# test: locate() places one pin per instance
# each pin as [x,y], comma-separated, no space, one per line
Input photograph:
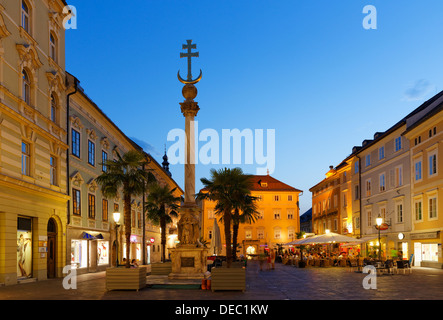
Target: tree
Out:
[225,187]
[128,175]
[161,206]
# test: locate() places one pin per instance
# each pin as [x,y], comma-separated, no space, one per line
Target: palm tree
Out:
[126,173]
[224,187]
[161,206]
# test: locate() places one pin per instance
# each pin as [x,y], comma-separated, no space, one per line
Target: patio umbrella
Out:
[216,244]
[328,238]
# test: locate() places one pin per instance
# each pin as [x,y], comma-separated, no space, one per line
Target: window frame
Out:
[76,202]
[91,206]
[75,145]
[26,158]
[91,153]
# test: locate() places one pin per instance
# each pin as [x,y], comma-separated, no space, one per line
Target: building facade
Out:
[91,230]
[33,193]
[278,220]
[425,136]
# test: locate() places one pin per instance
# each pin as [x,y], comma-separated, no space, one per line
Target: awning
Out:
[88,236]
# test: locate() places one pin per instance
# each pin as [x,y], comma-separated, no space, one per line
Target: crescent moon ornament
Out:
[189,81]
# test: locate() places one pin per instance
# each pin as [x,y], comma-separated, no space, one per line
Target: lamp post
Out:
[379,221]
[116,216]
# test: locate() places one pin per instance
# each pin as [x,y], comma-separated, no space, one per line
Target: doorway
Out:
[51,247]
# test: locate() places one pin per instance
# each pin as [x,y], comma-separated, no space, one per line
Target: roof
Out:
[272,184]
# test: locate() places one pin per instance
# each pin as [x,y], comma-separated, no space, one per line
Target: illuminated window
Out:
[91,153]
[76,202]
[105,210]
[91,206]
[432,207]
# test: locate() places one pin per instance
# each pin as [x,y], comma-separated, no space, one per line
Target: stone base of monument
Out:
[188,262]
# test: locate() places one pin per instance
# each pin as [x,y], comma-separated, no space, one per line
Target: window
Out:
[345,200]
[276,198]
[260,233]
[261,214]
[398,176]
[432,207]
[277,214]
[417,140]
[290,197]
[210,234]
[336,225]
[368,187]
[399,212]
[75,143]
[53,111]
[382,182]
[344,177]
[91,206]
[104,159]
[116,207]
[277,233]
[53,170]
[369,215]
[368,160]
[356,193]
[211,214]
[398,144]
[433,164]
[381,153]
[25,17]
[290,214]
[356,165]
[91,153]
[418,210]
[291,233]
[105,210]
[26,159]
[418,170]
[335,201]
[248,234]
[52,47]
[26,88]
[133,218]
[383,213]
[76,202]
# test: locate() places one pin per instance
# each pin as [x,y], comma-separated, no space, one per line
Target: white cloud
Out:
[418,90]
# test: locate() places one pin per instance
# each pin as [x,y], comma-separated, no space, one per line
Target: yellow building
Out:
[278,220]
[426,154]
[33,194]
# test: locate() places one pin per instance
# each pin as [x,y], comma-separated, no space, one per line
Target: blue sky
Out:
[307,69]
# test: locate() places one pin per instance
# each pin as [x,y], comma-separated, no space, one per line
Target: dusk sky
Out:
[308,69]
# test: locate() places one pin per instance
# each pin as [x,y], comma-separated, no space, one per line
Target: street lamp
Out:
[116,216]
[379,221]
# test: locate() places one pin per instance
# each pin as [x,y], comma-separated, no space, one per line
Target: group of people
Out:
[269,258]
[134,263]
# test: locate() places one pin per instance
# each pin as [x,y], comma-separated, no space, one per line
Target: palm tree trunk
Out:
[227,222]
[127,219]
[235,227]
[163,237]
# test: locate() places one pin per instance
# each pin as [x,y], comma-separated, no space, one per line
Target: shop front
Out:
[89,251]
[427,249]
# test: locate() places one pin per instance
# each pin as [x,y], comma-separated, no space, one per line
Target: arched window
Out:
[25,17]
[26,87]
[53,109]
[52,47]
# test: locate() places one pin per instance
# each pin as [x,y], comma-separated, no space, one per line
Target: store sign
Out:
[383,226]
[424,235]
[152,240]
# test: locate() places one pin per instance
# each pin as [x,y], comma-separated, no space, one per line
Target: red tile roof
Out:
[272,184]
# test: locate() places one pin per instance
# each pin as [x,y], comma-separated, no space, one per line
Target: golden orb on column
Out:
[189,91]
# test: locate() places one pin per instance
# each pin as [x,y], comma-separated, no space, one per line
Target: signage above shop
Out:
[383,226]
[152,240]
